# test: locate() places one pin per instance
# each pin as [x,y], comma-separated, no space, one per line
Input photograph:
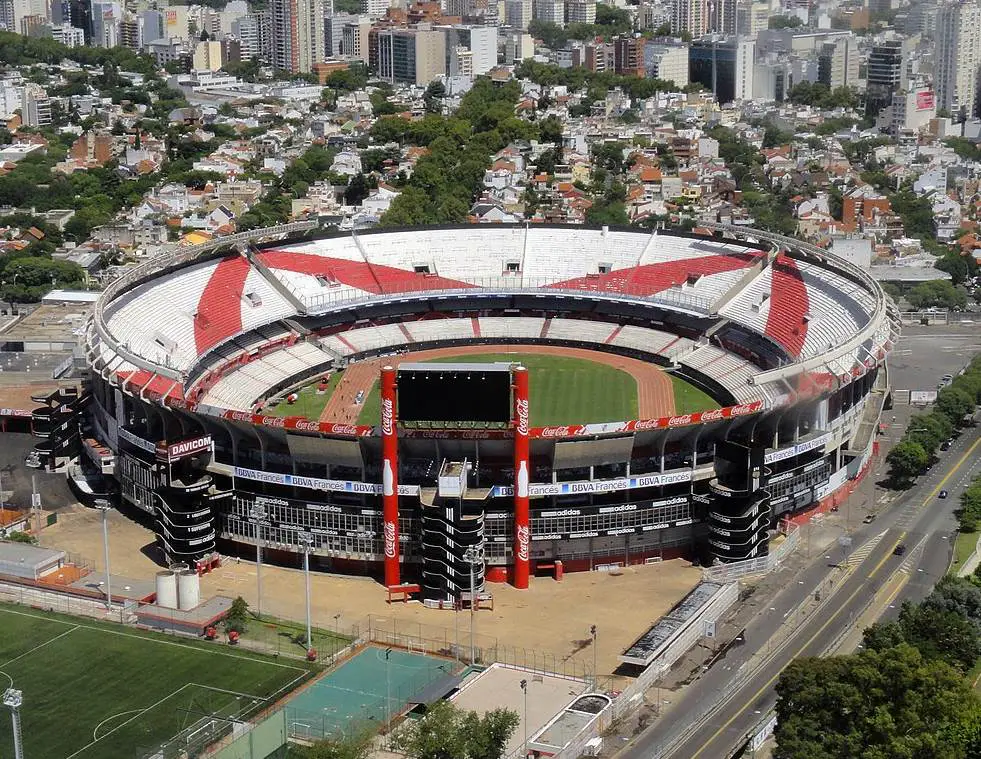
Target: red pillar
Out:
[390,476]
[522,472]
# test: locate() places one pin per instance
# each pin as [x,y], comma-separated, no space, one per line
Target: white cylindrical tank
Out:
[188,589]
[166,587]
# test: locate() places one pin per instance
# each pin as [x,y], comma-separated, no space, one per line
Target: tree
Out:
[937,294]
[356,191]
[954,403]
[874,705]
[238,615]
[433,96]
[447,732]
[22,537]
[785,22]
[355,743]
[907,459]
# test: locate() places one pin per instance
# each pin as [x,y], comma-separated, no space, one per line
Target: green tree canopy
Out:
[938,293]
[907,459]
[447,732]
[873,705]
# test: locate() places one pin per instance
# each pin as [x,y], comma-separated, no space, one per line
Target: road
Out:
[729,699]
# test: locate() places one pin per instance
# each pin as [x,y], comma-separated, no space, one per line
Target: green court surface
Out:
[367,689]
[100,691]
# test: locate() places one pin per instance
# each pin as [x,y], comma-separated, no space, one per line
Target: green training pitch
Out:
[99,691]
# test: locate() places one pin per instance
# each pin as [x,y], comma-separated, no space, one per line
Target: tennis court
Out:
[375,685]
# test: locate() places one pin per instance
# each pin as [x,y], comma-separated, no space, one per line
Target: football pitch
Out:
[98,691]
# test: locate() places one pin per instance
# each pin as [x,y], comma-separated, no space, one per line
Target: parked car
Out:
[945,445]
[869,518]
[943,493]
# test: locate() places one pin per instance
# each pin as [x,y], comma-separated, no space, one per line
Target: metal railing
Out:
[756,565]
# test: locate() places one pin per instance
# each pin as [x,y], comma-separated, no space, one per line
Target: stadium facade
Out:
[184,353]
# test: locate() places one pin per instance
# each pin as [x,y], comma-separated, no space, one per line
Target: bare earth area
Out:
[550,620]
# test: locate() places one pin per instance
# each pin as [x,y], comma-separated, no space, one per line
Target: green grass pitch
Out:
[99,691]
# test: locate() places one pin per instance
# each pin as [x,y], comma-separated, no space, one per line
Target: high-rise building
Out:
[580,11]
[886,75]
[334,31]
[838,63]
[724,65]
[131,31]
[106,15]
[252,32]
[517,47]
[35,107]
[595,56]
[7,16]
[152,23]
[30,26]
[414,56]
[297,34]
[628,55]
[67,35]
[958,58]
[374,9]
[207,56]
[552,11]
[689,16]
[722,16]
[668,62]
[517,14]
[479,41]
[355,42]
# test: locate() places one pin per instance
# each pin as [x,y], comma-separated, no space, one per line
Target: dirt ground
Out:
[550,618]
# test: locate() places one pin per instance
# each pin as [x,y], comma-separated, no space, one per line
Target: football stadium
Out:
[443,406]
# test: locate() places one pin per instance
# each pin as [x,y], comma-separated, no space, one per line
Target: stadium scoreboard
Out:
[454,393]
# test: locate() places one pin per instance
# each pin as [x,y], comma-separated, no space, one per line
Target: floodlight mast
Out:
[13,699]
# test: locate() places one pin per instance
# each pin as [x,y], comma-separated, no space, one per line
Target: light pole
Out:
[13,699]
[473,555]
[337,635]
[388,698]
[258,513]
[104,506]
[524,688]
[306,539]
[592,632]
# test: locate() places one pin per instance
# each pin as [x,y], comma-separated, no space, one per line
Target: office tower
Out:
[297,34]
[35,107]
[666,61]
[724,66]
[628,55]
[886,76]
[414,56]
[958,57]
[374,9]
[252,32]
[479,41]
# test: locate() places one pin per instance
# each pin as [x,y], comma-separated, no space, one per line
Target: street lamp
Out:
[473,555]
[388,698]
[105,507]
[13,699]
[337,634]
[524,688]
[592,632]
[258,513]
[306,539]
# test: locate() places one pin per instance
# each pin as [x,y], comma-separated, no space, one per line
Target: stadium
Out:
[399,402]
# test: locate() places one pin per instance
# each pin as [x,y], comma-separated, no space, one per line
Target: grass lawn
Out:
[688,399]
[963,548]
[99,691]
[563,390]
[308,403]
[286,636]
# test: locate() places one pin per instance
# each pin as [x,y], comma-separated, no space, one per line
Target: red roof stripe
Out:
[220,307]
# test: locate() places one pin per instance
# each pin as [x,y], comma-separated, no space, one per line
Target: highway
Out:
[714,714]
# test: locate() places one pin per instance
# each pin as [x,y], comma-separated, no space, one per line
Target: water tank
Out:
[188,589]
[166,587]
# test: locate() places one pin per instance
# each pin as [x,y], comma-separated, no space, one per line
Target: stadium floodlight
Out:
[13,699]
[592,632]
[524,688]
[105,507]
[474,555]
[258,513]
[306,538]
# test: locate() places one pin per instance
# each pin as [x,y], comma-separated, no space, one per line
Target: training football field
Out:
[102,691]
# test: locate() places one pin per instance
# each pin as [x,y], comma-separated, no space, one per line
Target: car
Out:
[945,445]
[869,518]
[900,549]
[943,493]
[947,377]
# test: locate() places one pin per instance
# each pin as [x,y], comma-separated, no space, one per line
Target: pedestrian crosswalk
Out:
[863,551]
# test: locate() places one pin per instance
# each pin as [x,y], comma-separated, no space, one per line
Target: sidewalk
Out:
[968,567]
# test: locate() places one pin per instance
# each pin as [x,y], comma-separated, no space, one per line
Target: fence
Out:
[758,565]
[65,603]
[455,643]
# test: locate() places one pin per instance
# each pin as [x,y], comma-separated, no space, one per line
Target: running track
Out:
[655,394]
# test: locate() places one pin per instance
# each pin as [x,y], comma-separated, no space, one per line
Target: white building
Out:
[551,11]
[517,47]
[35,107]
[375,9]
[68,35]
[667,62]
[958,57]
[580,11]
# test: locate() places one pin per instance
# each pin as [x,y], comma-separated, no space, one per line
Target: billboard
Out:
[925,101]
